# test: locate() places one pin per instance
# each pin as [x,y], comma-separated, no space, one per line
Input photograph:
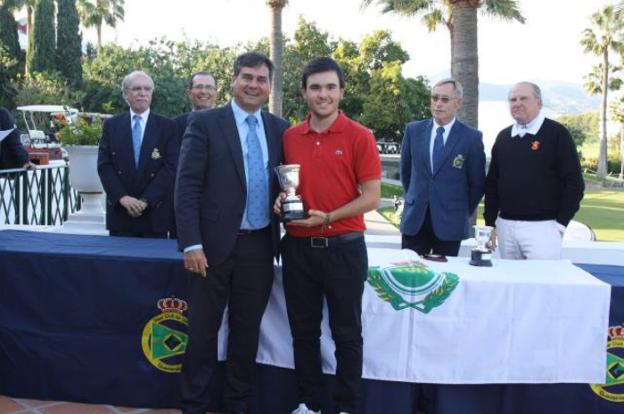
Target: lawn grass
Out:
[601,209]
[390,190]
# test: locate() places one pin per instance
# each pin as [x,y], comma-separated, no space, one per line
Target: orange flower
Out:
[535,145]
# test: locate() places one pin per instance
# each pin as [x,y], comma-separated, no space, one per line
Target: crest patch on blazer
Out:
[156,154]
[458,161]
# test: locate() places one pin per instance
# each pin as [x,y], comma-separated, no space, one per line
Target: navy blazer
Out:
[211,189]
[152,181]
[12,153]
[181,121]
[453,191]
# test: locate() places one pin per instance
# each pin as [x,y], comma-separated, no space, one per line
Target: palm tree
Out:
[95,13]
[20,4]
[275,101]
[592,82]
[460,18]
[617,112]
[604,36]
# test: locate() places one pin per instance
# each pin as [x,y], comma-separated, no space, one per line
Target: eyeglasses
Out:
[204,88]
[137,89]
[442,98]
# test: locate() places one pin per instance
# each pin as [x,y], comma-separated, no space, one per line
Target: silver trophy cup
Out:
[481,255]
[292,206]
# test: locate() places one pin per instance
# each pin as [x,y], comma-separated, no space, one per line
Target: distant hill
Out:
[559,97]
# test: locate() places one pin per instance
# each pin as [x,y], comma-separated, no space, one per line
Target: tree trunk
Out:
[621,152]
[275,100]
[29,19]
[465,59]
[98,28]
[602,157]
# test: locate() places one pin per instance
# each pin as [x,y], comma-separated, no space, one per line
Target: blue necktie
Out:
[257,185]
[438,146]
[136,138]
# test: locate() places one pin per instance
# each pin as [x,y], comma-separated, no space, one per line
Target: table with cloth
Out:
[99,319]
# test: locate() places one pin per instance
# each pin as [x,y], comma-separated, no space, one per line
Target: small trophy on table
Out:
[292,206]
[481,255]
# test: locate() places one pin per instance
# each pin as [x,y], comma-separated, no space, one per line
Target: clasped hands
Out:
[133,206]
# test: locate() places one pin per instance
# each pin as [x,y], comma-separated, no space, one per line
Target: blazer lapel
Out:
[125,141]
[425,146]
[150,137]
[272,143]
[228,126]
[451,141]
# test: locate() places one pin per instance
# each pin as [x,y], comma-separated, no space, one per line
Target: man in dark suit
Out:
[137,162]
[202,92]
[12,153]
[224,191]
[443,174]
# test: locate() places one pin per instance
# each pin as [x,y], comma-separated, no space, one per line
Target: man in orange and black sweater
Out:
[534,185]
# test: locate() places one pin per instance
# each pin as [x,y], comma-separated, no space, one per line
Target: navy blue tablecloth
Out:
[73,310]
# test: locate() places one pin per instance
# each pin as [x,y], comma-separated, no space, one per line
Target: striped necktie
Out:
[438,146]
[136,138]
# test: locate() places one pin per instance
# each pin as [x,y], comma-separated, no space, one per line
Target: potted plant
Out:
[80,139]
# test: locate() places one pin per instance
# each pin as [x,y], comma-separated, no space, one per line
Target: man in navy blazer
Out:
[224,191]
[137,161]
[202,92]
[443,175]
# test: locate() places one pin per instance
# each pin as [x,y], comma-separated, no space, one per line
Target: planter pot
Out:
[83,177]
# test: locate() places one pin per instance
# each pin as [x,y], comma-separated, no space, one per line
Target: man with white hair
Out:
[137,163]
[534,185]
[442,172]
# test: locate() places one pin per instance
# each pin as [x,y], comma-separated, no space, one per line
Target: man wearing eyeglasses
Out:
[137,162]
[443,174]
[202,92]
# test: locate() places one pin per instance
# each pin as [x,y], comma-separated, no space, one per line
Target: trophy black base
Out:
[480,258]
[287,216]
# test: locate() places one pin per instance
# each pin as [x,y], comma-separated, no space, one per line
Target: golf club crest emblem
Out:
[164,336]
[613,388]
[410,284]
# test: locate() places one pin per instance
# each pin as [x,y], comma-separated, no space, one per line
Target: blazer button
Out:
[119,172]
[152,175]
[114,153]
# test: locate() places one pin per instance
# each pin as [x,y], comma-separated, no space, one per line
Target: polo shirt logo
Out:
[338,152]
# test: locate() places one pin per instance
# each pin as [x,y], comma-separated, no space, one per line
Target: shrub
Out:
[84,131]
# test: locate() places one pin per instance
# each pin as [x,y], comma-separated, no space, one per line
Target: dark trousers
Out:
[425,241]
[243,282]
[337,273]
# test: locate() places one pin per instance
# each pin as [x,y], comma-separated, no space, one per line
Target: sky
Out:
[545,48]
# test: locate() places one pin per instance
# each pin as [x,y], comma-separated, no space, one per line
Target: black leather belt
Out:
[321,242]
[248,232]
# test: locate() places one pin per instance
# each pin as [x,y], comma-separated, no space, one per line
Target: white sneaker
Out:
[303,409]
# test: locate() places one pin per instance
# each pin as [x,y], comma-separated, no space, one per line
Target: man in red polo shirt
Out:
[325,254]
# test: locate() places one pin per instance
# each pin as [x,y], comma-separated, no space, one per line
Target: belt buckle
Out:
[319,242]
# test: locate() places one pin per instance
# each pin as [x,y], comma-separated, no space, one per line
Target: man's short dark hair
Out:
[322,64]
[202,73]
[252,60]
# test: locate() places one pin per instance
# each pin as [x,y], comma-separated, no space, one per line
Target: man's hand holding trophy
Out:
[292,205]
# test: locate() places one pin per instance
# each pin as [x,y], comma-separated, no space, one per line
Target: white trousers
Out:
[528,239]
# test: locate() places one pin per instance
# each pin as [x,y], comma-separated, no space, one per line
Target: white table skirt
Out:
[516,322]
